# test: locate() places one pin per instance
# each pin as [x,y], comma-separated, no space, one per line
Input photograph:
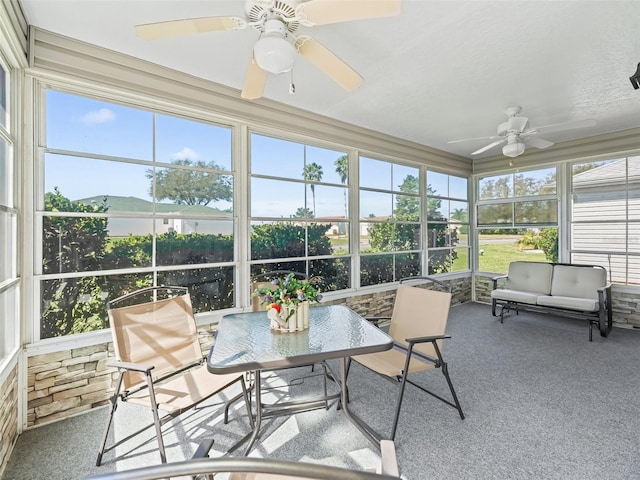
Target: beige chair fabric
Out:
[160,361]
[418,327]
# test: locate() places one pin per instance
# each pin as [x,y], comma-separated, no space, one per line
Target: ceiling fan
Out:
[277,21]
[517,133]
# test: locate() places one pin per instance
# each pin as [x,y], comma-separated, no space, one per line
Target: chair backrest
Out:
[419,312]
[162,333]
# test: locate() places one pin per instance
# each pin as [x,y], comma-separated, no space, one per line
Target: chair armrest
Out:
[430,338]
[496,278]
[136,367]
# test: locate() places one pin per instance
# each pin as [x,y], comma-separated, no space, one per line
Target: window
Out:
[390,225]
[9,281]
[447,223]
[605,217]
[517,219]
[130,198]
[299,211]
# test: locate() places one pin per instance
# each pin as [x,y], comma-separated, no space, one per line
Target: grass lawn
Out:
[497,256]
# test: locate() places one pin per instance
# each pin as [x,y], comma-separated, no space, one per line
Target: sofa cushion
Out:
[514,296]
[571,303]
[575,281]
[532,277]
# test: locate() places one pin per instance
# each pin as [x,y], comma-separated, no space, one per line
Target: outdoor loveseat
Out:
[577,291]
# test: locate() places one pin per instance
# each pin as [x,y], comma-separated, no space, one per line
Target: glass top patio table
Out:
[245,341]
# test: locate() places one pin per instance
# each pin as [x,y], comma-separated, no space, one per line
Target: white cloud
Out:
[98,116]
[185,154]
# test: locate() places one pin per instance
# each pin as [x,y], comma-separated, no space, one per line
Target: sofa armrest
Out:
[496,278]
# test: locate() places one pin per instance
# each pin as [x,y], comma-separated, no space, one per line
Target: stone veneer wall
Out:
[8,417]
[61,384]
[626,304]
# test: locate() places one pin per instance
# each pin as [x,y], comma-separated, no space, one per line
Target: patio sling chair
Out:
[418,325]
[244,468]
[159,359]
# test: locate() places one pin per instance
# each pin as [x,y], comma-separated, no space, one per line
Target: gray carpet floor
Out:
[541,402]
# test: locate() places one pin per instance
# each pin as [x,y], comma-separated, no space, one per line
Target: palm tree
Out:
[312,173]
[342,169]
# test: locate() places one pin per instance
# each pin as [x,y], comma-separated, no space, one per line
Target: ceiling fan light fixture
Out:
[273,52]
[513,149]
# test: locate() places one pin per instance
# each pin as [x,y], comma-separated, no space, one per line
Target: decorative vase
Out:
[291,318]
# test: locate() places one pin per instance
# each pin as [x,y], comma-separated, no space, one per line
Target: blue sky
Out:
[82,124]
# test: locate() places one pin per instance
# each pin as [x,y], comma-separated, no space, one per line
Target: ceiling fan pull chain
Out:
[292,87]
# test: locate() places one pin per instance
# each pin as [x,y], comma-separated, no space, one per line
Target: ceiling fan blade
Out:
[558,127]
[254,81]
[472,139]
[322,12]
[174,28]
[489,147]
[329,63]
[537,142]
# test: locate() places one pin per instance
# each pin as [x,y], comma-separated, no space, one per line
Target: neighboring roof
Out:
[610,174]
[134,204]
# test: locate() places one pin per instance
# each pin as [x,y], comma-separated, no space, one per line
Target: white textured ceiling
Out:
[440,71]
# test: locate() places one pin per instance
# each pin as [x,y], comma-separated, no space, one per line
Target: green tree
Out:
[303,213]
[342,169]
[72,244]
[190,186]
[312,172]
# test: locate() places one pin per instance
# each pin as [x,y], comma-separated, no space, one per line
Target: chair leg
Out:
[247,402]
[156,418]
[396,416]
[112,410]
[445,372]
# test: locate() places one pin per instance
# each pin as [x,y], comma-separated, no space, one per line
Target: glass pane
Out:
[437,184]
[633,277]
[262,268]
[460,259]
[201,191]
[187,142]
[376,269]
[8,253]
[6,175]
[458,187]
[633,242]
[375,204]
[609,173]
[78,305]
[499,247]
[276,157]
[443,235]
[541,211]
[266,200]
[210,288]
[406,207]
[375,174]
[86,125]
[495,214]
[390,236]
[599,237]
[436,207]
[333,164]
[4,95]
[459,211]
[287,240]
[194,241]
[84,244]
[8,312]
[592,206]
[535,182]
[407,265]
[440,261]
[327,201]
[405,179]
[500,186]
[330,274]
[616,265]
[127,186]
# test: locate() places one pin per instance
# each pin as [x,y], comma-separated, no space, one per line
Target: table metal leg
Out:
[366,430]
